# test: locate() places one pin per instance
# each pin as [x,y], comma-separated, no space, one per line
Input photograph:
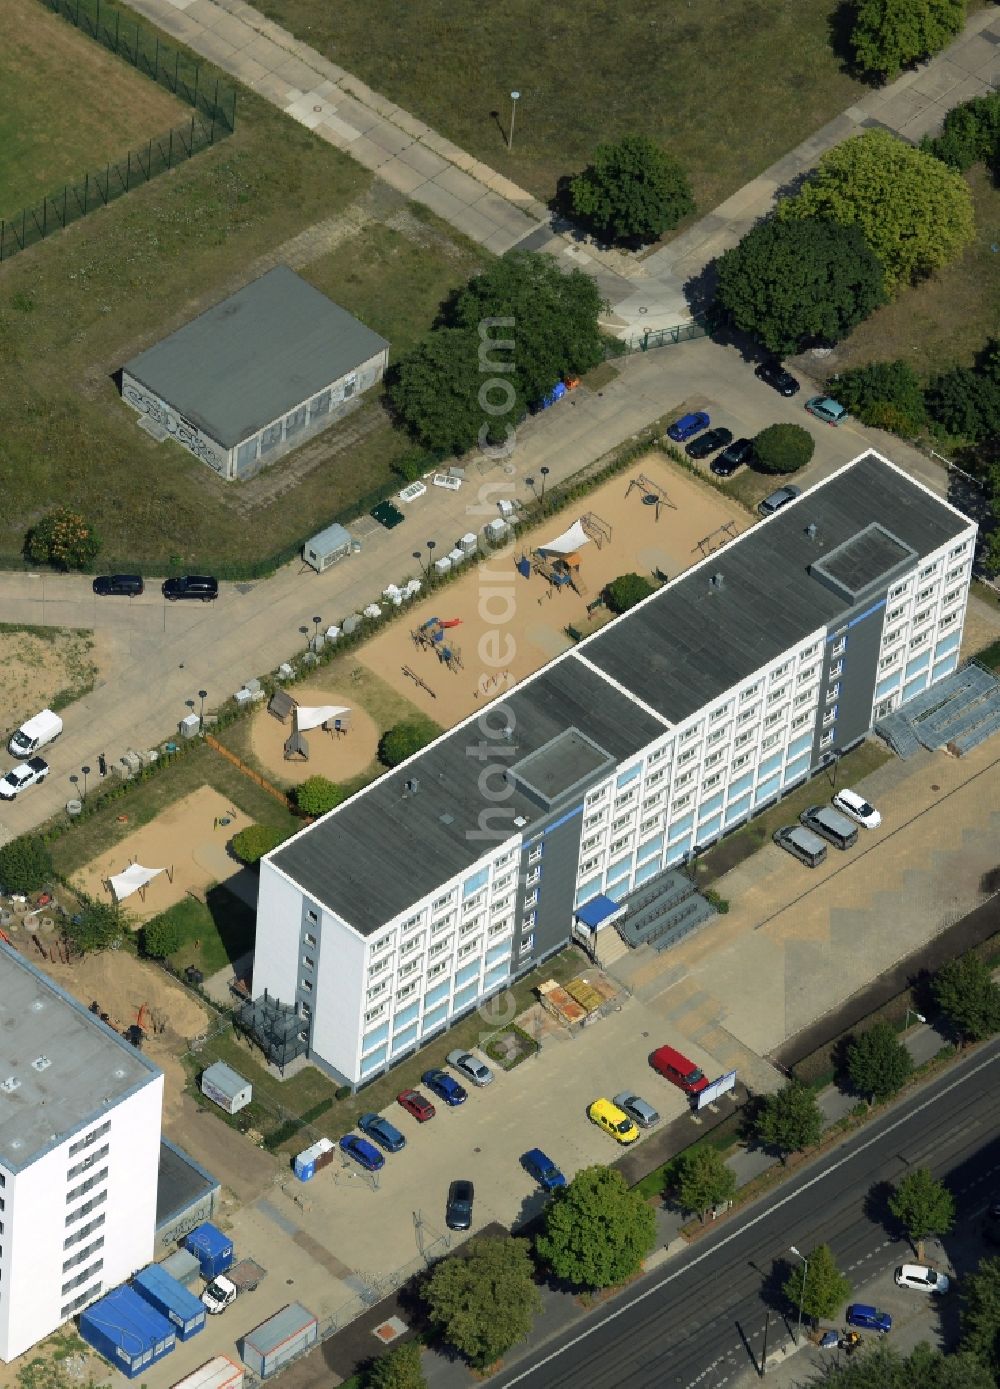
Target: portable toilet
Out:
[320,1154]
[326,548]
[226,1087]
[212,1249]
[129,1333]
[171,1299]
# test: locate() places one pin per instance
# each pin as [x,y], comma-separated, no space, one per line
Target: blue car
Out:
[362,1152]
[543,1169]
[869,1318]
[386,1135]
[441,1084]
[688,426]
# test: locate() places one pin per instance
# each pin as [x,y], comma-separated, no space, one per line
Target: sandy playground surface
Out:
[338,756]
[188,838]
[509,626]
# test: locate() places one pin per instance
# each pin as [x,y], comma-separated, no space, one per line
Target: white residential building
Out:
[79,1152]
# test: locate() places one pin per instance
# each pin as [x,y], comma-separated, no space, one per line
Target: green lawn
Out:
[69,106]
[214,933]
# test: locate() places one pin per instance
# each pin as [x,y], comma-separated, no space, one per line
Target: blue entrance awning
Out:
[599,911]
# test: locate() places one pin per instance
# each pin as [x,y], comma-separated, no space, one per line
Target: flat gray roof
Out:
[60,1067]
[181,1183]
[871,559]
[569,759]
[249,360]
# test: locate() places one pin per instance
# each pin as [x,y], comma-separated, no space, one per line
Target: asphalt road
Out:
[700,1322]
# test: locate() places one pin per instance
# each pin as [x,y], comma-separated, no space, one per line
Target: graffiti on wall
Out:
[175,425]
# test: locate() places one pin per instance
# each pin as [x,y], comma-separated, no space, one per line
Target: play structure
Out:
[135,878]
[432,635]
[332,718]
[558,560]
[717,538]
[651,492]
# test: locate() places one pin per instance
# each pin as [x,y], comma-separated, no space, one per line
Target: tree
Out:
[878,1063]
[971,134]
[915,212]
[887,395]
[964,990]
[789,1120]
[923,1207]
[799,283]
[400,1369]
[703,1180]
[63,539]
[252,843]
[25,864]
[633,191]
[981,1315]
[892,34]
[403,740]
[96,926]
[625,591]
[485,1300]
[819,1287]
[161,937]
[434,391]
[317,795]
[597,1231]
[965,402]
[783,448]
[882,1366]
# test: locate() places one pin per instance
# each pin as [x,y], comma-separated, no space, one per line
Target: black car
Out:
[118,585]
[708,443]
[191,586]
[733,456]
[772,373]
[458,1213]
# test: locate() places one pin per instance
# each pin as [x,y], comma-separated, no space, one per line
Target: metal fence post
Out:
[177,66]
[197,74]
[65,202]
[118,25]
[128,171]
[156,61]
[170,151]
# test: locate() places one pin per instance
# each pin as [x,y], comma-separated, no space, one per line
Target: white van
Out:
[43,728]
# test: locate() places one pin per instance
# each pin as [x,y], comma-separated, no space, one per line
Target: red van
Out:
[674,1066]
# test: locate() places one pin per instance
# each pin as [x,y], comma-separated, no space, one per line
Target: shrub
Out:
[402,741]
[892,34]
[317,795]
[633,191]
[96,926]
[625,591]
[971,134]
[783,448]
[63,539]
[25,864]
[966,403]
[251,844]
[887,395]
[161,937]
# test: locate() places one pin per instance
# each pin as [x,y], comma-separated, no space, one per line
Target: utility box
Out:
[270,1346]
[189,726]
[212,1249]
[129,1333]
[171,1299]
[326,548]
[226,1087]
[218,1373]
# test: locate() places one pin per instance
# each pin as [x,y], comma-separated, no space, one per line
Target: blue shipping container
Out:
[129,1333]
[171,1299]
[213,1250]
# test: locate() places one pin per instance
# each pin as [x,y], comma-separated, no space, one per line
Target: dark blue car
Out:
[362,1152]
[688,426]
[441,1084]
[386,1135]
[543,1169]
[870,1318]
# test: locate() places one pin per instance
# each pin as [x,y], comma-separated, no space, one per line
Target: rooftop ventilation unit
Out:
[446,818]
[37,1005]
[812,530]
[716,581]
[411,786]
[41,1063]
[520,821]
[9,1085]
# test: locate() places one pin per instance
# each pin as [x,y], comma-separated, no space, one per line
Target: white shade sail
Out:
[133,878]
[566,543]
[320,713]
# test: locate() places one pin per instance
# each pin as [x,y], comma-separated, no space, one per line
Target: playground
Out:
[476,638]
[340,747]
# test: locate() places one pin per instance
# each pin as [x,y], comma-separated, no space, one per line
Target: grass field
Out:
[69,106]
[728,85]
[214,933]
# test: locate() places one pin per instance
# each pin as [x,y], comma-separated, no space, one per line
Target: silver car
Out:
[470,1067]
[637,1109]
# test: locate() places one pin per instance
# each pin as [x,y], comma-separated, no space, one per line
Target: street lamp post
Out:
[418,555]
[514,98]
[912,1013]
[86,774]
[802,1290]
[544,472]
[74,781]
[316,622]
[431,547]
[202,695]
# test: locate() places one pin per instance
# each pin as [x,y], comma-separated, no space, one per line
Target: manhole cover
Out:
[225,820]
[477,1150]
[935,788]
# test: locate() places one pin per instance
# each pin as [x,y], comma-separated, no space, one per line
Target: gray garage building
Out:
[255,376]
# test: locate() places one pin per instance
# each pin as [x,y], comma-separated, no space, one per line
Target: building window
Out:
[88,1162]
[81,1301]
[715,737]
[405,991]
[82,1233]
[715,757]
[774,718]
[740,761]
[309,940]
[437,969]
[836,670]
[800,719]
[781,670]
[306,984]
[690,733]
[655,778]
[958,550]
[536,853]
[656,755]
[527,945]
[949,619]
[930,569]
[82,1277]
[683,779]
[532,899]
[377,989]
[839,647]
[777,694]
[593,820]
[749,714]
[830,717]
[899,590]
[827,740]
[312,916]
[86,1208]
[749,692]
[770,741]
[441,902]
[682,801]
[686,756]
[308,962]
[528,920]
[833,693]
[86,1186]
[919,640]
[804,676]
[80,1143]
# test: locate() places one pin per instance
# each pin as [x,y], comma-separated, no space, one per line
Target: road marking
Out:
[755,1220]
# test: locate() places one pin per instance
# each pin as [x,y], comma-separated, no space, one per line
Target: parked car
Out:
[779,498]
[118,585]
[772,373]
[543,1169]
[363,1152]
[830,825]
[458,1212]
[857,808]
[688,426]
[674,1066]
[611,1119]
[732,457]
[636,1108]
[868,1318]
[192,586]
[416,1104]
[924,1279]
[440,1083]
[22,776]
[386,1135]
[827,409]
[801,843]
[470,1067]
[708,443]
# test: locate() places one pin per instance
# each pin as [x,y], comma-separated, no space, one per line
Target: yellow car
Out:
[611,1119]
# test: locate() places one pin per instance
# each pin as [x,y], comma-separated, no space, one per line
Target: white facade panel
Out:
[276,947]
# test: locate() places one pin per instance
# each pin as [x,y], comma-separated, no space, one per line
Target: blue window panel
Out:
[799,745]
[372,1039]
[620,865]
[947,644]
[886,686]
[769,765]
[496,976]
[647,871]
[373,1062]
[708,829]
[466,973]
[914,687]
[434,996]
[651,846]
[628,776]
[741,784]
[678,850]
[406,1015]
[768,788]
[402,1040]
[466,997]
[796,769]
[737,808]
[710,806]
[499,952]
[435,1019]
[945,667]
[478,880]
[590,889]
[679,826]
[915,666]
[619,887]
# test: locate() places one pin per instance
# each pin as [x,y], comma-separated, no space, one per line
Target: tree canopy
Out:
[878,1063]
[892,34]
[25,864]
[789,1120]
[966,402]
[318,794]
[783,448]
[882,1366]
[819,1287]
[799,283]
[96,926]
[971,134]
[965,992]
[923,1206]
[484,1299]
[915,212]
[397,1369]
[63,539]
[703,1180]
[887,395]
[625,591]
[597,1231]
[633,191]
[252,843]
[160,937]
[981,1315]
[403,740]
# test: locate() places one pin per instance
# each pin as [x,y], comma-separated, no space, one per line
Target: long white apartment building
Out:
[539,817]
[79,1152]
